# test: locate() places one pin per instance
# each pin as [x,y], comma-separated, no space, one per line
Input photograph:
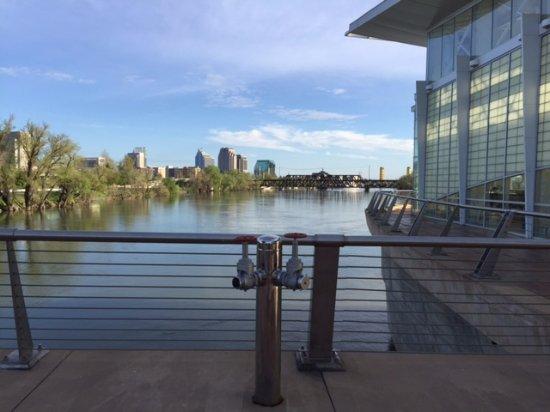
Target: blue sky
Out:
[274,79]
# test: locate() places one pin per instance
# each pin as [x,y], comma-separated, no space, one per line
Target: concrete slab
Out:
[18,384]
[409,382]
[168,380]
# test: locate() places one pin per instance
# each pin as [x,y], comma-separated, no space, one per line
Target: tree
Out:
[405,182]
[44,154]
[8,169]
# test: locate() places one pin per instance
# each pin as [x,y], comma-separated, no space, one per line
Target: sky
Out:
[274,79]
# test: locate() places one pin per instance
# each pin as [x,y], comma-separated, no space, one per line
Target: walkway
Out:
[223,381]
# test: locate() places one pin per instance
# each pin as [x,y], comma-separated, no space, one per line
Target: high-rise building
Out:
[264,168]
[408,172]
[382,173]
[139,157]
[11,150]
[227,159]
[242,164]
[482,115]
[203,159]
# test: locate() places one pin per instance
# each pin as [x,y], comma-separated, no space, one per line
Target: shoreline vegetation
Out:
[43,170]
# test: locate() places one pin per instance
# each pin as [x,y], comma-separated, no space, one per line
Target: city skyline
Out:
[304,95]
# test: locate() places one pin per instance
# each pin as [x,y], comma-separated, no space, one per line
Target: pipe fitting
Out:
[292,280]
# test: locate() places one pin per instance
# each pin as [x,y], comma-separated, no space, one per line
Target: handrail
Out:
[235,239]
[473,207]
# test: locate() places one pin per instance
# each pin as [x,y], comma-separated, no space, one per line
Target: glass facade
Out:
[442,143]
[495,175]
[476,31]
[495,148]
[542,199]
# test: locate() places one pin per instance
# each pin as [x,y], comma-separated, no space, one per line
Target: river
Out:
[168,296]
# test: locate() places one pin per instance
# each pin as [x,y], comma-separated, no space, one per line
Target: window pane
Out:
[434,54]
[518,8]
[502,15]
[463,33]
[515,189]
[543,187]
[482,28]
[448,59]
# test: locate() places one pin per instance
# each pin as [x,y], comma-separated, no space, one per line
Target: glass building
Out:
[482,115]
[264,168]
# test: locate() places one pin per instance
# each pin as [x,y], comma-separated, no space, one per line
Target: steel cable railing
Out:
[389,293]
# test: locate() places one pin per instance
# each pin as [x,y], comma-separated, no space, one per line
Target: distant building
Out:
[242,164]
[175,173]
[93,162]
[264,168]
[203,159]
[227,159]
[139,157]
[191,172]
[382,174]
[12,151]
[183,172]
[409,171]
[160,171]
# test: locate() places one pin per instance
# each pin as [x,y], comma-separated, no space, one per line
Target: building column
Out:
[531,59]
[421,116]
[463,127]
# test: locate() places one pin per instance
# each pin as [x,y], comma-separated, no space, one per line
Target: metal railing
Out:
[99,290]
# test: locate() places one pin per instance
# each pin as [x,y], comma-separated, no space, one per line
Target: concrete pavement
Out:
[223,381]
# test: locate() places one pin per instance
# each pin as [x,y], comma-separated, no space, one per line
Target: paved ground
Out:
[223,381]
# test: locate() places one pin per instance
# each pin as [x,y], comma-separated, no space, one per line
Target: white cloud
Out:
[290,139]
[59,76]
[336,91]
[218,90]
[304,114]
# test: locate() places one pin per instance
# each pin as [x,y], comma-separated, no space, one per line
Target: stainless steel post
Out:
[268,324]
[25,356]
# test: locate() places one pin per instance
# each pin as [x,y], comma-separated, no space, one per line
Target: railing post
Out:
[417,221]
[395,227]
[320,354]
[382,205]
[372,202]
[438,250]
[25,357]
[387,216]
[376,207]
[488,261]
[268,324]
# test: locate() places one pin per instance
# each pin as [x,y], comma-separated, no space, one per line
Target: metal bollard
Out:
[268,324]
[268,279]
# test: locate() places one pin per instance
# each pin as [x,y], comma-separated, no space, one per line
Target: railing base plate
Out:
[305,363]
[12,362]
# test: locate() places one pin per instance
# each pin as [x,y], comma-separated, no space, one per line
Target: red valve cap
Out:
[246,239]
[295,235]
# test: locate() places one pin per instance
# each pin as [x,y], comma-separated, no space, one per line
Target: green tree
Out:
[8,169]
[405,182]
[44,154]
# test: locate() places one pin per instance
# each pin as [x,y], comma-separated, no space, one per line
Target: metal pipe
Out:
[268,324]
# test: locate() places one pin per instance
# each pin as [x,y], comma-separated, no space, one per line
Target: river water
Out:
[179,296]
